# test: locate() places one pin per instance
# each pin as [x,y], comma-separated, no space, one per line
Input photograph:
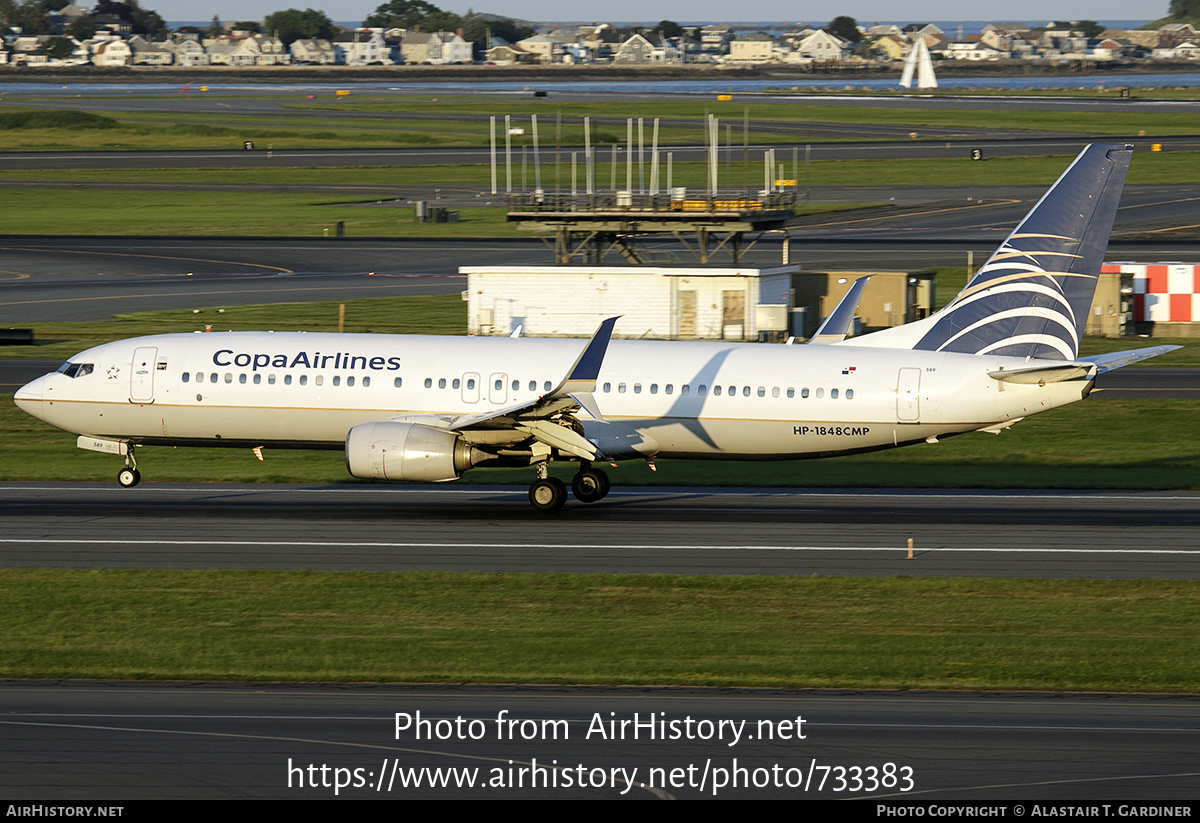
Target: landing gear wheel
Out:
[590,485]
[128,477]
[548,494]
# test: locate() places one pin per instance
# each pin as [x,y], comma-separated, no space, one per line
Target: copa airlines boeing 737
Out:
[427,409]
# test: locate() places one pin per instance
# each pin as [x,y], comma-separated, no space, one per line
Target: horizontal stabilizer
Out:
[1117,359]
[837,324]
[1041,375]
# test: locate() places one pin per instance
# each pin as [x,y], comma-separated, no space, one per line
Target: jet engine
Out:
[391,450]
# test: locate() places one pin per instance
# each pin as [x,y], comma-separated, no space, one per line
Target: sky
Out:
[688,11]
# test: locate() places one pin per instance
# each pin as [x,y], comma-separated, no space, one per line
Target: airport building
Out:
[703,303]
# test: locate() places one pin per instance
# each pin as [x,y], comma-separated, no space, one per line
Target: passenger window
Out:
[367,382]
[453,385]
[685,389]
[337,380]
[287,379]
[257,379]
[319,380]
[607,388]
[271,379]
[746,391]
[548,386]
[516,385]
[349,381]
[187,376]
[791,392]
[470,383]
[774,391]
[849,394]
[670,389]
[654,388]
[804,392]
[441,383]
[820,393]
[397,382]
[703,390]
[304,380]
[637,388]
[429,382]
[716,391]
[228,377]
[533,385]
[199,377]
[499,385]
[213,378]
[833,394]
[733,391]
[620,388]
[242,378]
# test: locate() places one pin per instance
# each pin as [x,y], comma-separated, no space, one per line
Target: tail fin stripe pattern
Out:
[1031,298]
[1019,343]
[1048,316]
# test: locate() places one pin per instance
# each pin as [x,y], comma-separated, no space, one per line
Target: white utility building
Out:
[654,303]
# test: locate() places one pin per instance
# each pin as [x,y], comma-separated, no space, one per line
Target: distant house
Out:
[110,52]
[187,49]
[419,47]
[755,47]
[149,53]
[363,47]
[271,51]
[547,48]
[821,46]
[320,52]
[636,49]
[510,55]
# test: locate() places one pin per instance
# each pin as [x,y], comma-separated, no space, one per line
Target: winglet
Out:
[838,323]
[586,369]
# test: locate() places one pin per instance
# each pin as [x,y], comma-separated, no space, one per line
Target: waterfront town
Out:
[414,32]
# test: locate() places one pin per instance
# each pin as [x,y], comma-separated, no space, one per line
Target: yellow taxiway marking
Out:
[989,204]
[279,269]
[16,274]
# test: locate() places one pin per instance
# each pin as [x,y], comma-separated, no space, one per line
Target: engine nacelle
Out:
[391,450]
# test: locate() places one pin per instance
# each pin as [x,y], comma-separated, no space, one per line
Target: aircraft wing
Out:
[1117,359]
[573,392]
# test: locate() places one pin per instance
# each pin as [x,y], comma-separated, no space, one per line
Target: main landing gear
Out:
[129,476]
[548,494]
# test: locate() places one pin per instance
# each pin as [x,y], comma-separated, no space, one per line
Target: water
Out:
[705,86]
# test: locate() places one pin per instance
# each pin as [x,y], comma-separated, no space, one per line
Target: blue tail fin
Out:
[1032,297]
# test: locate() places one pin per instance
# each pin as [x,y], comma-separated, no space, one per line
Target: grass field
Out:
[463,121]
[788,632]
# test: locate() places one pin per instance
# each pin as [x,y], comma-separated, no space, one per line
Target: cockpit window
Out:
[75,369]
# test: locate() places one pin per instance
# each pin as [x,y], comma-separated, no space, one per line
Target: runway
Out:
[644,530]
[120,742]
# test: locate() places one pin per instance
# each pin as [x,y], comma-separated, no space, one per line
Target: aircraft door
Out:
[498,388]
[470,387]
[141,377]
[908,396]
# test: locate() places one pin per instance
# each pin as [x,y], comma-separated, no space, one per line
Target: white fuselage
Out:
[708,400]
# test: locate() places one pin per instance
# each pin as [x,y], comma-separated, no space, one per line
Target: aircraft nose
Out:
[29,397]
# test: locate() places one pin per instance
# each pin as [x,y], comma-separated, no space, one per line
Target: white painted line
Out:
[580,545]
